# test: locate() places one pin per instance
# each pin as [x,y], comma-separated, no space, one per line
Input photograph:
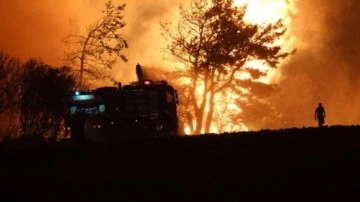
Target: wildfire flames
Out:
[262,13]
[324,68]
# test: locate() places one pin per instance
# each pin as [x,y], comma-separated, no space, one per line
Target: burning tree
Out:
[99,48]
[216,45]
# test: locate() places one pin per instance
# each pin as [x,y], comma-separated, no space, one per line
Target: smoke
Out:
[144,35]
[32,28]
[326,66]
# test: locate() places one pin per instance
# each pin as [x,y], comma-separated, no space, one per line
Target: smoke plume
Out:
[325,68]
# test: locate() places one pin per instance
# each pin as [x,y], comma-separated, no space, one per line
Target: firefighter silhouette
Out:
[320,115]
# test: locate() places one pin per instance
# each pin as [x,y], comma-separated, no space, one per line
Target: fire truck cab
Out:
[108,114]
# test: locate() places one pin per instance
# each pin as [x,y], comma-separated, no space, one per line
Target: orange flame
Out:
[262,13]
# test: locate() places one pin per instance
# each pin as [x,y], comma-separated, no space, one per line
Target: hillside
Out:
[298,163]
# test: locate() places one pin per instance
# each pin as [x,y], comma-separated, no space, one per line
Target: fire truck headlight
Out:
[159,127]
[96,126]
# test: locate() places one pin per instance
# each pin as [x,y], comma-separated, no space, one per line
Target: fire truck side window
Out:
[132,103]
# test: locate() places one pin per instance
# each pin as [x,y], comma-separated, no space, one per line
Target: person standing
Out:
[320,115]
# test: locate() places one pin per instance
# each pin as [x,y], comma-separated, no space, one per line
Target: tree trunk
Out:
[82,59]
[209,115]
[200,111]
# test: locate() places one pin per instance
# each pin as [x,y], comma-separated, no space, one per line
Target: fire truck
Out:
[144,108]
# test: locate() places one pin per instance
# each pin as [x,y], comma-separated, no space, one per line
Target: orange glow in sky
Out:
[326,35]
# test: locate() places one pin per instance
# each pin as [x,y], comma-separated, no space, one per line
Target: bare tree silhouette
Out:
[99,48]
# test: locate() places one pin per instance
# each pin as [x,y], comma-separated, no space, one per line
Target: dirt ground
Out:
[291,164]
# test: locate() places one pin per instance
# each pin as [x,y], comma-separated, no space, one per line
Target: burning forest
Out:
[238,65]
